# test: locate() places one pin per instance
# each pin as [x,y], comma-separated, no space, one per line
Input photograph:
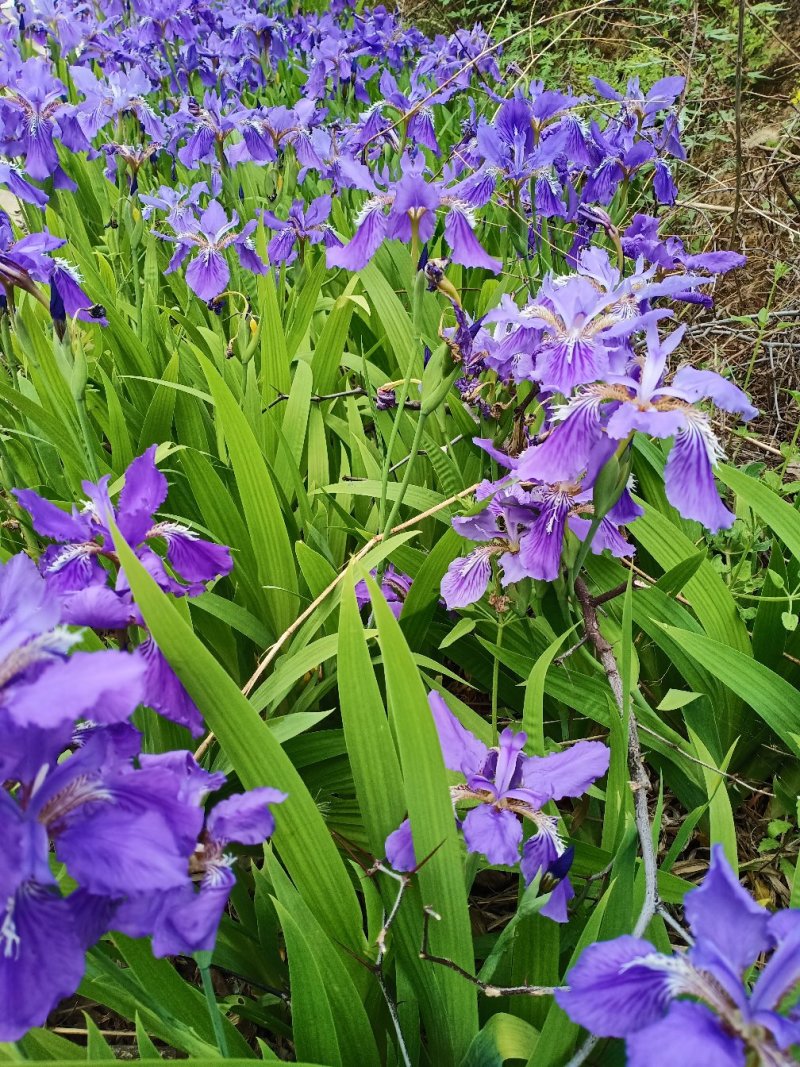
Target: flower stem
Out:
[415,446]
[402,396]
[203,960]
[496,680]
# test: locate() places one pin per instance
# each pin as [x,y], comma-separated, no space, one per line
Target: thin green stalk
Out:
[402,396]
[763,323]
[7,345]
[415,446]
[496,679]
[213,1006]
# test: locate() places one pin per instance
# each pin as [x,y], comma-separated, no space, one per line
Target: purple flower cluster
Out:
[82,569]
[538,155]
[697,1006]
[128,827]
[589,343]
[503,785]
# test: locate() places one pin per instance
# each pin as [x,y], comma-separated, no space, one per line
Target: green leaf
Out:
[313,1027]
[44,1046]
[274,356]
[705,590]
[675,699]
[301,836]
[423,598]
[144,1044]
[723,828]
[376,769]
[782,518]
[769,695]
[332,341]
[559,1032]
[97,1048]
[318,977]
[461,629]
[504,1037]
[394,319]
[427,796]
[533,708]
[266,524]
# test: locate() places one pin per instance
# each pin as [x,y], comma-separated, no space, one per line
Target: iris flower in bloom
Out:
[209,126]
[503,784]
[304,225]
[583,328]
[511,148]
[625,988]
[641,241]
[186,917]
[12,177]
[84,537]
[523,529]
[119,828]
[412,204]
[105,100]
[29,115]
[26,263]
[208,272]
[92,596]
[641,401]
[43,689]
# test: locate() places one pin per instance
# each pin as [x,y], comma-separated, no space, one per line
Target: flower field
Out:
[393,668]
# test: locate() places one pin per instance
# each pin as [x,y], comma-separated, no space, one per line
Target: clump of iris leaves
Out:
[373,579]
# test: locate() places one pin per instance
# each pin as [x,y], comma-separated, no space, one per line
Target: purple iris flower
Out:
[29,114]
[640,400]
[66,23]
[303,226]
[12,177]
[523,530]
[622,156]
[510,147]
[267,132]
[118,826]
[206,128]
[208,272]
[92,595]
[412,205]
[637,105]
[104,101]
[641,240]
[133,156]
[503,783]
[84,539]
[175,201]
[395,587]
[418,104]
[43,689]
[185,918]
[626,988]
[582,329]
